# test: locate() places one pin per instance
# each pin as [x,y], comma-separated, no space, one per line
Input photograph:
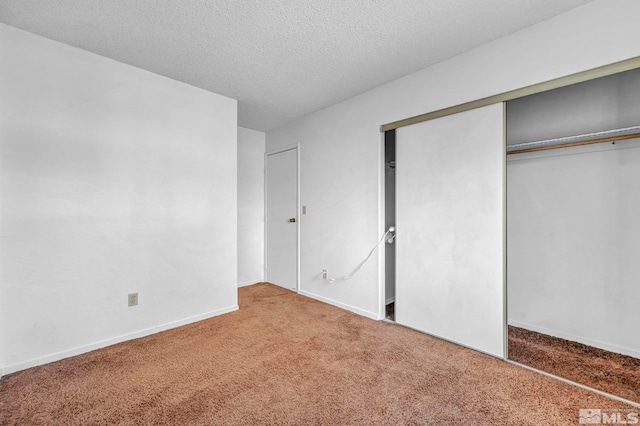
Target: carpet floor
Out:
[608,371]
[284,359]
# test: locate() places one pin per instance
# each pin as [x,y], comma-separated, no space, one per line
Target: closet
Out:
[573,232]
[518,223]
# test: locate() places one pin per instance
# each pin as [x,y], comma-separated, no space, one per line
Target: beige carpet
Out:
[286,359]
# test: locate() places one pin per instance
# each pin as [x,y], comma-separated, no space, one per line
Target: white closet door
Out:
[450,252]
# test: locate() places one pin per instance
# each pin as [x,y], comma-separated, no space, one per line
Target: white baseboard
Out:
[57,356]
[584,340]
[353,309]
[390,300]
[246,283]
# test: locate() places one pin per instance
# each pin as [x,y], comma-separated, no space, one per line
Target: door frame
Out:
[382,218]
[298,209]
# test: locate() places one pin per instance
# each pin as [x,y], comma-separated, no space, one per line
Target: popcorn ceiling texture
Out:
[279,59]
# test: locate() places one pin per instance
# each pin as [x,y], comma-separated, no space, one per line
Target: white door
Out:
[450,180]
[282,219]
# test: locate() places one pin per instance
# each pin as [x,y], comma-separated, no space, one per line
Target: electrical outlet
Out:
[325,274]
[133,299]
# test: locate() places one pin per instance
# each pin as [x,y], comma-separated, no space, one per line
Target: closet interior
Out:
[573,232]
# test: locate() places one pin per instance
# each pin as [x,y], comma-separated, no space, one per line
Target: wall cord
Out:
[348,277]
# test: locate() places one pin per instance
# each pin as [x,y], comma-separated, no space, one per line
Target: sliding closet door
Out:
[450,252]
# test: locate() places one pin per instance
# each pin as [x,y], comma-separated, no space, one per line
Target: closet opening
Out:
[573,197]
[390,220]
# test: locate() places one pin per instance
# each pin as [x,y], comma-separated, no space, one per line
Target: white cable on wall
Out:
[348,277]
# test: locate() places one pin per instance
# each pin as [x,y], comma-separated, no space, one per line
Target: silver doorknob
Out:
[292,220]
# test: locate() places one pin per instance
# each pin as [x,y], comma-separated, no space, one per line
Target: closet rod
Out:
[577,140]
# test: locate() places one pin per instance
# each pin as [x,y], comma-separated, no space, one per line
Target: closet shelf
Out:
[584,139]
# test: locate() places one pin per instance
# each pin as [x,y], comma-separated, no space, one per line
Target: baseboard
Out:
[247,283]
[585,341]
[390,300]
[353,309]
[57,356]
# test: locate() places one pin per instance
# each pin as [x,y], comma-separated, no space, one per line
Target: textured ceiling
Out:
[280,59]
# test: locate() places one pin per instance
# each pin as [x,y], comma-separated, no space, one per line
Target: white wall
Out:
[113,180]
[251,145]
[341,160]
[572,217]
[572,244]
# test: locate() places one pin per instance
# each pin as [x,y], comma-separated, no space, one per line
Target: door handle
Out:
[292,220]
